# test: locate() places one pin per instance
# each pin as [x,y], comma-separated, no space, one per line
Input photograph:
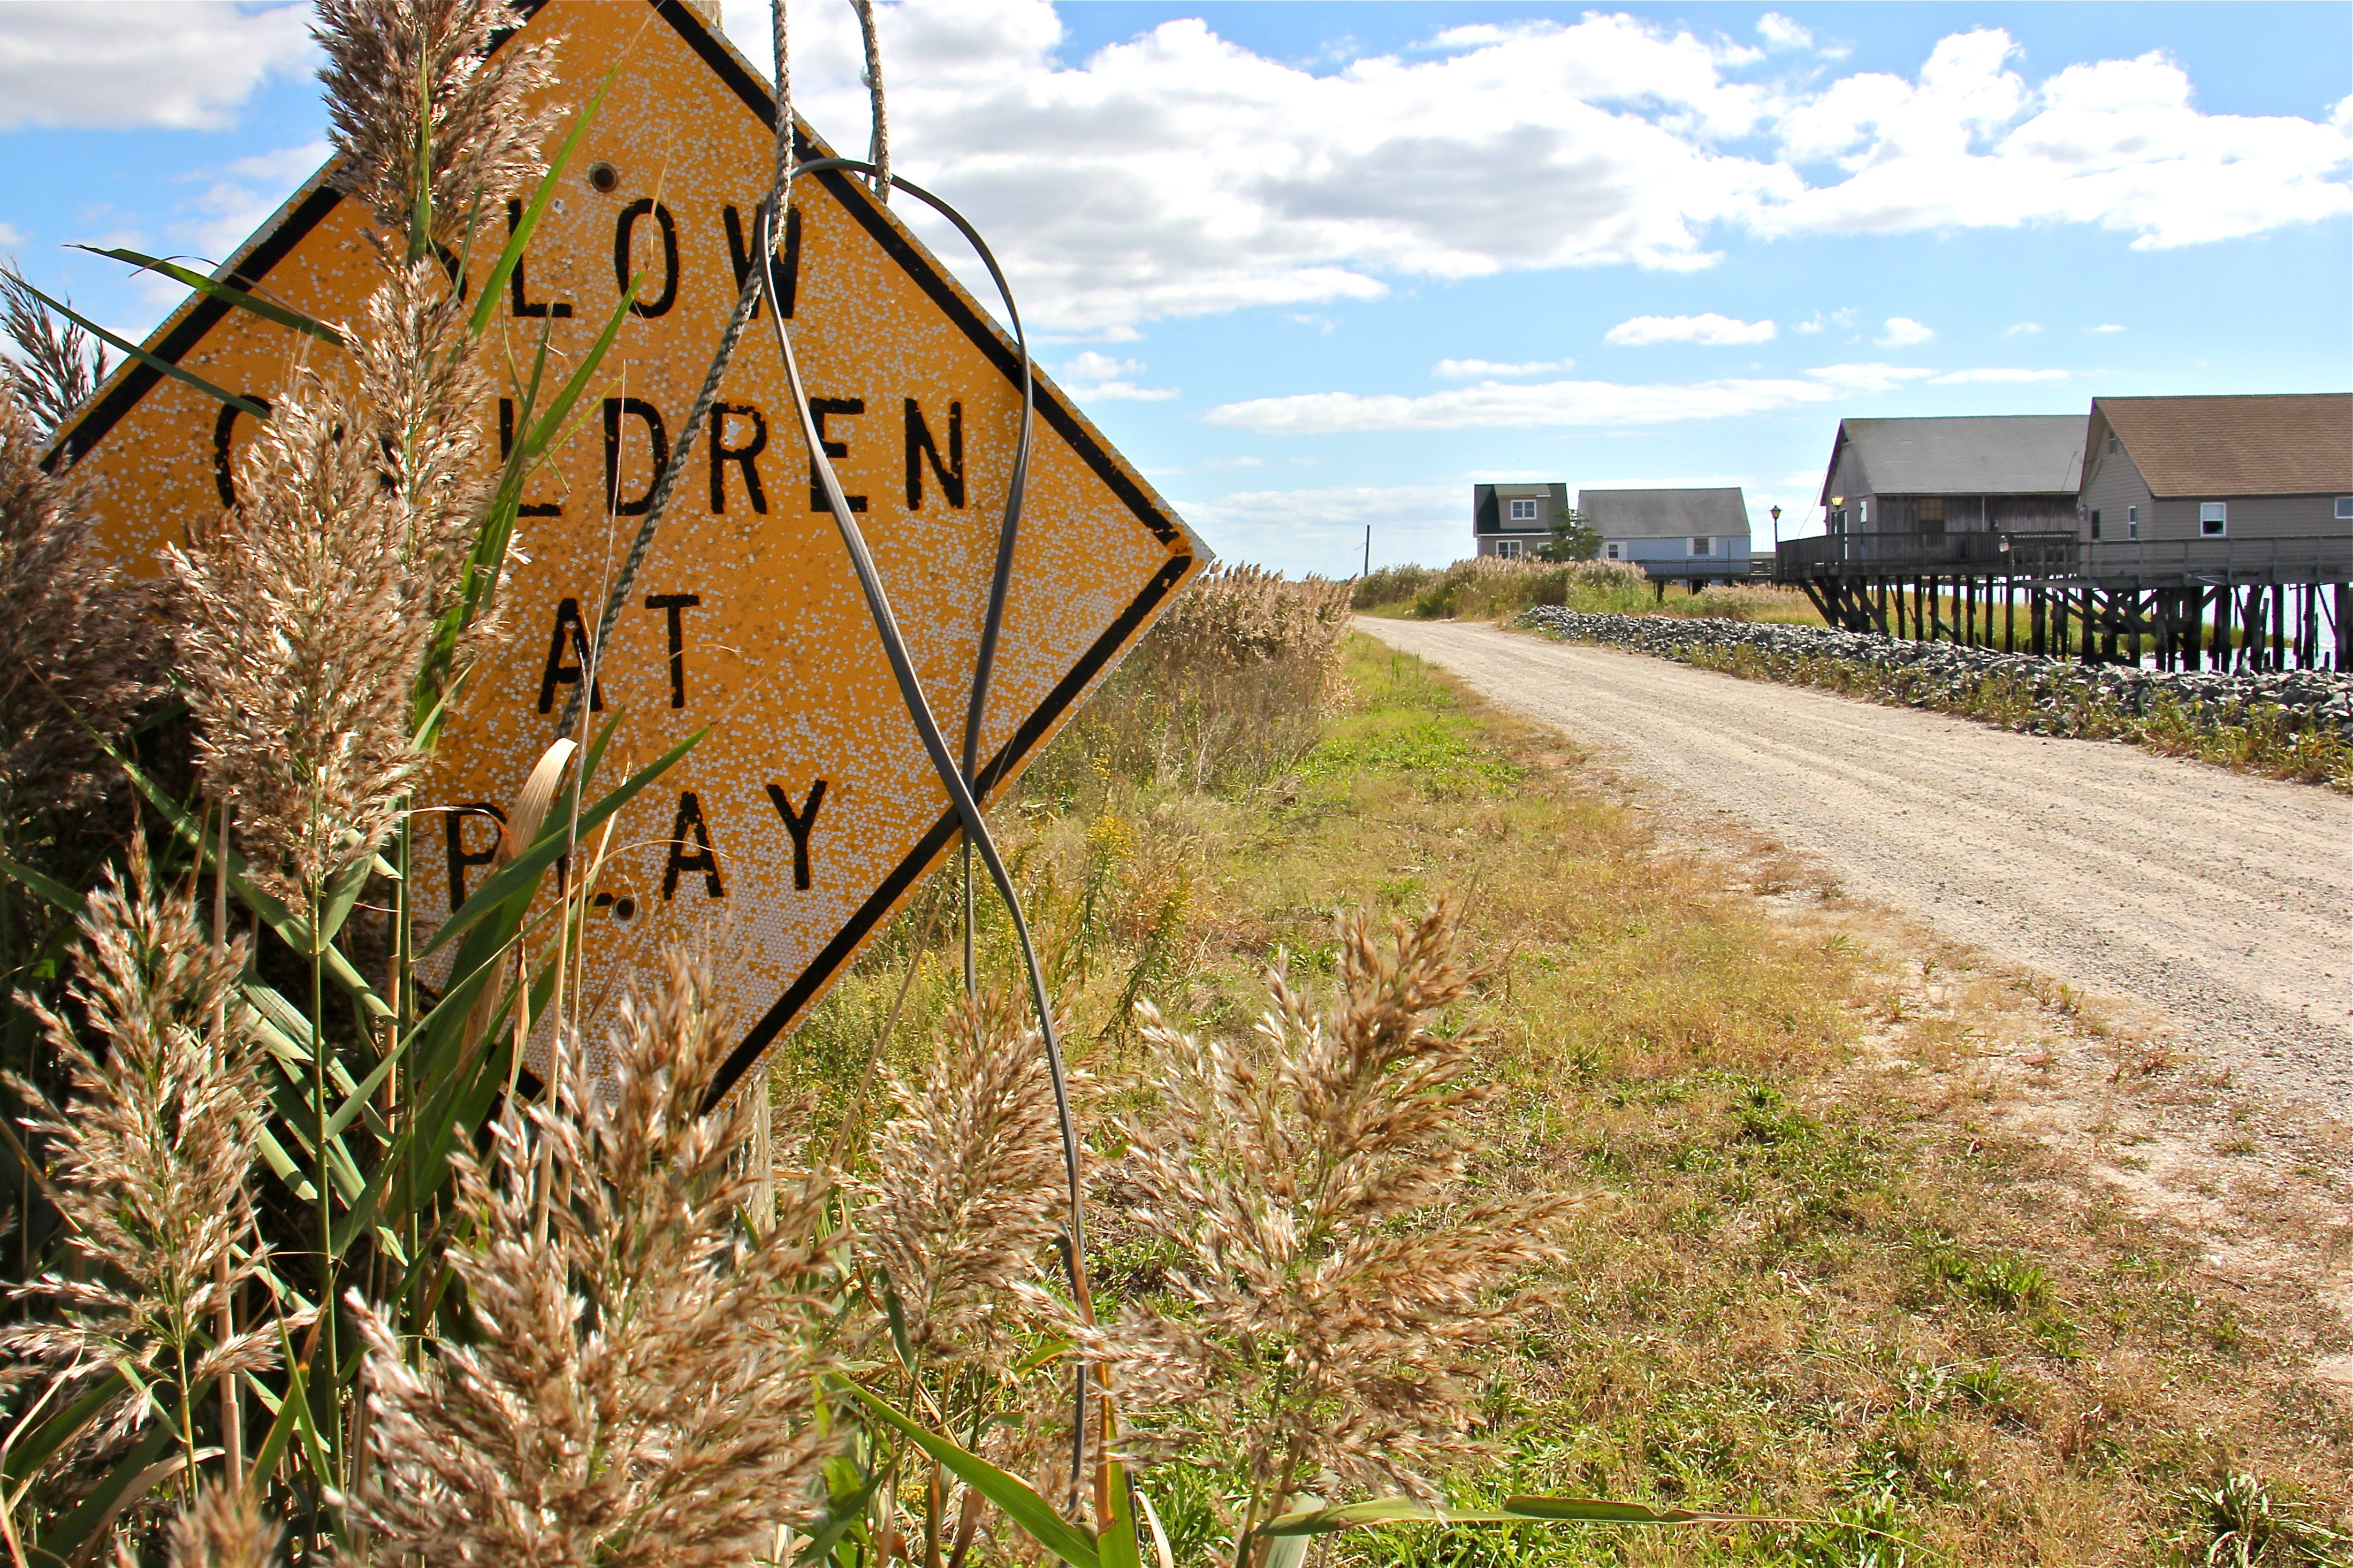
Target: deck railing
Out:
[2046,556]
[2219,561]
[1986,553]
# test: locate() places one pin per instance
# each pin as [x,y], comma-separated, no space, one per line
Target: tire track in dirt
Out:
[2224,902]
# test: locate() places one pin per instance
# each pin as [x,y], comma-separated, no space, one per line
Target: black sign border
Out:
[310,209]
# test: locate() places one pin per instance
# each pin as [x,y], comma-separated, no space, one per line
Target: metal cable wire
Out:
[740,318]
[1008,530]
[944,763]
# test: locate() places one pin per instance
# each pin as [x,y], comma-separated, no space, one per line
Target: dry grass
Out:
[1337,1292]
[1228,687]
[79,647]
[1489,587]
[1821,1279]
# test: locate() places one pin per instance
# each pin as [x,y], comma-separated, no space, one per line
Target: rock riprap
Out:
[2047,695]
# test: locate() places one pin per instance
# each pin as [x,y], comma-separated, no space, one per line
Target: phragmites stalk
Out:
[969,1177]
[224,1528]
[424,386]
[1339,1289]
[414,87]
[56,365]
[305,615]
[78,644]
[148,1161]
[637,1384]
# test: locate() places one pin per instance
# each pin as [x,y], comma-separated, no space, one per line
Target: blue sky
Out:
[1316,267]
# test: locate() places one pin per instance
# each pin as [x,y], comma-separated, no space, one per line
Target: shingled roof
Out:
[2278,444]
[1664,514]
[1968,454]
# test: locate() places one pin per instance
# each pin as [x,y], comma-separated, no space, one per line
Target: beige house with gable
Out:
[2265,467]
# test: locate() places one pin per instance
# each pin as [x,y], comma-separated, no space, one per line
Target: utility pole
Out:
[1369,550]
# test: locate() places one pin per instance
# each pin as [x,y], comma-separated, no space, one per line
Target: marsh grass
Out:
[1488,587]
[1803,1287]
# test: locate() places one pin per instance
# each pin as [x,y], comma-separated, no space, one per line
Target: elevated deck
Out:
[2057,559]
[2262,604]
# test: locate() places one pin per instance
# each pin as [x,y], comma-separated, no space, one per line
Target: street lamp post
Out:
[1776,533]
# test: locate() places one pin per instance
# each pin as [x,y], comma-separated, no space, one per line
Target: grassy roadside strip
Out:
[2266,742]
[1807,1283]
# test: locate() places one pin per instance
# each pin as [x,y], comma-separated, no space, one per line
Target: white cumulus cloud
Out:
[239,196]
[1711,328]
[1903,331]
[177,64]
[1178,173]
[1781,33]
[1583,403]
[1478,369]
[1323,530]
[2019,329]
[2106,327]
[1099,378]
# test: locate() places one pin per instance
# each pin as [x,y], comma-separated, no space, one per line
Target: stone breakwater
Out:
[2048,696]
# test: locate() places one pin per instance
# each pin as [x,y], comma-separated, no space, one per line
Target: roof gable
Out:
[1664,514]
[1981,455]
[2284,444]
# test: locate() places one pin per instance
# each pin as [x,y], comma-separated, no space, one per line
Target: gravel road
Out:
[2222,902]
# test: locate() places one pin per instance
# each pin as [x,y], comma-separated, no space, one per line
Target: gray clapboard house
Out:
[1515,521]
[1680,535]
[2003,472]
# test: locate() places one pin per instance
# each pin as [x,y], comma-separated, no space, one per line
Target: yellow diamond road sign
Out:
[786,840]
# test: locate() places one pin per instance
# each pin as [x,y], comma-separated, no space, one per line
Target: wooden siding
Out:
[2112,485]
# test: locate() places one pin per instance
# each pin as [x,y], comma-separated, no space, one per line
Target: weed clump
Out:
[1228,690]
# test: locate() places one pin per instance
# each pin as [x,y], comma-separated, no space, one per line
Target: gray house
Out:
[1515,521]
[2010,472]
[1682,534]
[2275,467]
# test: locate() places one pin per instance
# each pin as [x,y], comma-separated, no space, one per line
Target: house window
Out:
[1611,550]
[2132,523]
[2095,522]
[2345,509]
[1524,511]
[2112,441]
[1862,512]
[1931,512]
[1702,546]
[1509,549]
[2214,519]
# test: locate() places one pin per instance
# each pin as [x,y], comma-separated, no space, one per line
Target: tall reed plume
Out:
[80,645]
[303,641]
[414,84]
[148,1163]
[313,602]
[968,1176]
[56,365]
[636,1379]
[1340,1289]
[224,1528]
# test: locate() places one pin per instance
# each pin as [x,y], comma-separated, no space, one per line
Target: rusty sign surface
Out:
[788,837]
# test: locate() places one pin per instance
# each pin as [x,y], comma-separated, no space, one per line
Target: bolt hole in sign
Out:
[807,816]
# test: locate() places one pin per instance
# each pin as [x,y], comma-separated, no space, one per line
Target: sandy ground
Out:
[2221,904]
